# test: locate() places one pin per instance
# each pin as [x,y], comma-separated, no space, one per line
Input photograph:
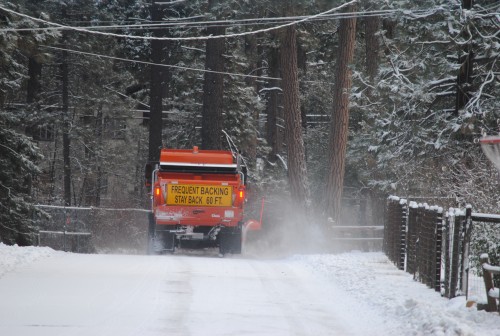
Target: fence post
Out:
[438,244]
[420,243]
[402,234]
[455,255]
[412,236]
[488,283]
[390,227]
[423,257]
[467,232]
[446,266]
[426,246]
[395,231]
[430,246]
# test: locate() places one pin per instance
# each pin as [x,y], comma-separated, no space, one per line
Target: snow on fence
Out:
[421,241]
[432,247]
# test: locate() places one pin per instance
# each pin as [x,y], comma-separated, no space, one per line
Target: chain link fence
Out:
[90,230]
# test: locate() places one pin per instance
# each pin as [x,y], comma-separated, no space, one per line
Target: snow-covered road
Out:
[43,292]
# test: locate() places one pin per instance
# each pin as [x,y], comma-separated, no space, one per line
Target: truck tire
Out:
[230,240]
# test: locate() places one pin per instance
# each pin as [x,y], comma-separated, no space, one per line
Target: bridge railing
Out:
[429,243]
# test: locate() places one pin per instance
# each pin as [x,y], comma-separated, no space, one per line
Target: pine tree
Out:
[18,153]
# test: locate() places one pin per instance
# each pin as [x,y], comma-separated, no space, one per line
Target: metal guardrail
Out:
[487,218]
[358,232]
[68,233]
[71,241]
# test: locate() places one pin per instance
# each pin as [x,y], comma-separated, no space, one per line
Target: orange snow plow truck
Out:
[197,198]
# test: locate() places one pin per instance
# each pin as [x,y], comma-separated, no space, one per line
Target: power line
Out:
[161,65]
[174,66]
[198,38]
[170,23]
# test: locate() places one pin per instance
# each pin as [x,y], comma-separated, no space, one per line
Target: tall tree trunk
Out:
[371,46]
[297,171]
[98,156]
[389,28]
[339,127]
[466,61]
[273,134]
[34,76]
[66,122]
[213,89]
[52,169]
[251,53]
[156,90]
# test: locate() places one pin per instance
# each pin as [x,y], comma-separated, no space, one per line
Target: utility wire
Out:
[171,23]
[198,38]
[174,66]
[156,64]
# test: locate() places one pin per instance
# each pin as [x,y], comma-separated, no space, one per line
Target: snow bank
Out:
[371,278]
[12,257]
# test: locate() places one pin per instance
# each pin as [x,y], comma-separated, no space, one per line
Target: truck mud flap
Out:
[168,241]
[160,241]
[230,240]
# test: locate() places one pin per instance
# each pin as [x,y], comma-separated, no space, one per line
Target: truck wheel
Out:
[230,240]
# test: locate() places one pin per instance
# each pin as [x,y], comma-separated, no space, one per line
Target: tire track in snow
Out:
[176,287]
[301,299]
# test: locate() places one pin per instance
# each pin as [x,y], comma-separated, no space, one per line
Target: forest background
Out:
[83,81]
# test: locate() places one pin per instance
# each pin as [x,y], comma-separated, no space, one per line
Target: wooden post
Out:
[488,283]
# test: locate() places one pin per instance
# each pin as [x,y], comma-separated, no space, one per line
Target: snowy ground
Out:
[44,292]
